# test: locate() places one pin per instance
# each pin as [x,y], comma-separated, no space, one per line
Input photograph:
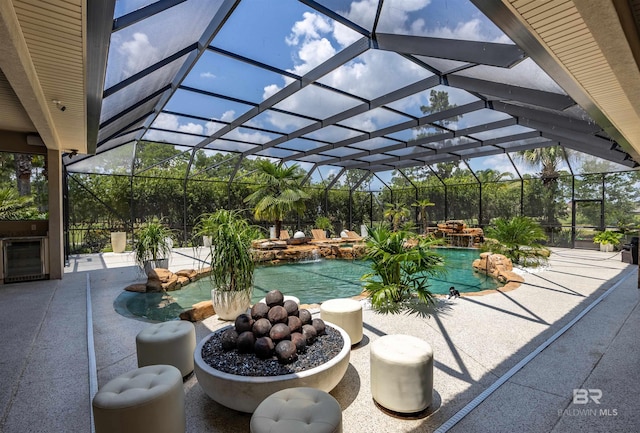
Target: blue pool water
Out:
[312,282]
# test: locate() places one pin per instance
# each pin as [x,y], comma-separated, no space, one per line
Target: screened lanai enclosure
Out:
[375,102]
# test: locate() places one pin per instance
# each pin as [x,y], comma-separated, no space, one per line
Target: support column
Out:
[56,244]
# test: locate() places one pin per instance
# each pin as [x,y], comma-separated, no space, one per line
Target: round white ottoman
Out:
[295,410]
[148,399]
[402,373]
[347,314]
[171,343]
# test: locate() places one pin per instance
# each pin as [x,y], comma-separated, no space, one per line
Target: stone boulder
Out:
[191,274]
[495,265]
[137,288]
[199,311]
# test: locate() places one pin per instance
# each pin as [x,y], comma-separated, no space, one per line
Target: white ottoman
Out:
[347,314]
[402,373]
[171,343]
[296,410]
[148,399]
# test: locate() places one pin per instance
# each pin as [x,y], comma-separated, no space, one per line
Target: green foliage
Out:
[324,223]
[231,263]
[14,206]
[277,193]
[397,213]
[519,238]
[401,266]
[422,206]
[608,237]
[153,241]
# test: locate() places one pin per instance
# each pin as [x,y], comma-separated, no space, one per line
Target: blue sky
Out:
[290,36]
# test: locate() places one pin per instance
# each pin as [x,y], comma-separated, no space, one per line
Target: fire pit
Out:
[241,379]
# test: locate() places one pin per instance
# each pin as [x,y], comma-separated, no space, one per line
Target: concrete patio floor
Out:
[479,342]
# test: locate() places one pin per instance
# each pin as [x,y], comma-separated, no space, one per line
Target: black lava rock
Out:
[229,339]
[248,364]
[246,342]
[261,328]
[264,347]
[305,316]
[291,307]
[277,314]
[279,332]
[274,297]
[300,342]
[259,311]
[319,325]
[310,334]
[286,352]
[294,323]
[243,323]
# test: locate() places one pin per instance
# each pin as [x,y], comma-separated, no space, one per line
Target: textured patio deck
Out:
[479,342]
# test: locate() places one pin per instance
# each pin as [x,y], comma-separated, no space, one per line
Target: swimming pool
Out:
[312,282]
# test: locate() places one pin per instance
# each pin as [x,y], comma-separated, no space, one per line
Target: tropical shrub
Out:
[518,238]
[608,237]
[401,265]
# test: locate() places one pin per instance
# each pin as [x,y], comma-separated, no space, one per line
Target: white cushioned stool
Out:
[402,373]
[296,410]
[148,399]
[347,314]
[171,343]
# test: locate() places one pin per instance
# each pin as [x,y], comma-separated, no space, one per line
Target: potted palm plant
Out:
[152,248]
[401,265]
[232,265]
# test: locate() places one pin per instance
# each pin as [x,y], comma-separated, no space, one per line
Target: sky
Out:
[288,35]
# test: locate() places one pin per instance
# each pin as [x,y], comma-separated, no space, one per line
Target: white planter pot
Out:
[229,305]
[118,241]
[272,232]
[245,393]
[206,241]
[607,248]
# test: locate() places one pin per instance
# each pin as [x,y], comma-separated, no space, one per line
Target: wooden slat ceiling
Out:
[52,34]
[587,40]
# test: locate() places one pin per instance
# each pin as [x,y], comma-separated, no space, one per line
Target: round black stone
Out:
[309,333]
[291,307]
[305,316]
[294,323]
[274,297]
[279,332]
[300,342]
[264,347]
[286,352]
[319,325]
[278,314]
[246,342]
[259,311]
[261,327]
[243,323]
[229,339]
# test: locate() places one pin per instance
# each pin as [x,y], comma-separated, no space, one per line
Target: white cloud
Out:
[228,116]
[208,75]
[309,28]
[139,53]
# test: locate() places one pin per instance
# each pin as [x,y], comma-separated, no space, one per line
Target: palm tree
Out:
[12,205]
[396,212]
[400,268]
[548,159]
[278,192]
[519,238]
[422,206]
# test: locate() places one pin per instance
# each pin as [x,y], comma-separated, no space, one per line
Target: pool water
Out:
[312,282]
